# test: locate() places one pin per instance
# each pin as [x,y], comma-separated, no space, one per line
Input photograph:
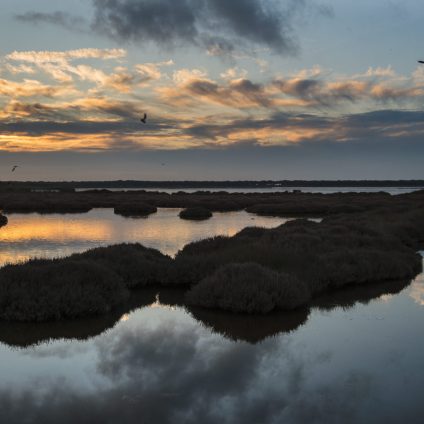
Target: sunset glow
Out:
[246,89]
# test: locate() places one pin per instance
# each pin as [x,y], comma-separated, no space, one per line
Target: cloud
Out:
[59,66]
[319,92]
[20,69]
[116,123]
[220,26]
[63,19]
[29,88]
[192,86]
[151,71]
[38,57]
[172,370]
[380,72]
[310,89]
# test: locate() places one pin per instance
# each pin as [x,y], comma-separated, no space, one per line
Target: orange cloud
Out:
[30,88]
[37,57]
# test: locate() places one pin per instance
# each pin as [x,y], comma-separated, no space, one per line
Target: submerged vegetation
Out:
[256,271]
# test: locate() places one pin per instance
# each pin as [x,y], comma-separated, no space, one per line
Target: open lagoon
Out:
[355,355]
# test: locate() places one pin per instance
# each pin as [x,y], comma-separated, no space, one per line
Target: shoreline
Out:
[270,204]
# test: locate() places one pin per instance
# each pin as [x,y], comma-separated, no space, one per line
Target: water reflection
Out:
[235,327]
[21,335]
[353,356]
[161,366]
[30,235]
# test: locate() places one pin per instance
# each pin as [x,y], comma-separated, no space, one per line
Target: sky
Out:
[240,89]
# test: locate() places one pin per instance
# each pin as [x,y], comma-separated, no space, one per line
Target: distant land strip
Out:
[210,184]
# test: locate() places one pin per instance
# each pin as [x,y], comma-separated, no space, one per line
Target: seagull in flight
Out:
[143,119]
[14,167]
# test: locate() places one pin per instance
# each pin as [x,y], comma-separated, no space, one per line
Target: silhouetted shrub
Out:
[138,209]
[3,220]
[136,265]
[249,288]
[196,214]
[44,290]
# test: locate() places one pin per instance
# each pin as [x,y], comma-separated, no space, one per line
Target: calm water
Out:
[356,356]
[34,235]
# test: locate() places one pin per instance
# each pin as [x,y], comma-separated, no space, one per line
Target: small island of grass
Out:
[196,214]
[135,210]
[3,220]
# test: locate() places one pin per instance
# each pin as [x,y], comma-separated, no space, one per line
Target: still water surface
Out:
[34,235]
[355,356]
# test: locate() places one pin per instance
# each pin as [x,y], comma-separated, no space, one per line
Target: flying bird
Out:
[14,167]
[143,119]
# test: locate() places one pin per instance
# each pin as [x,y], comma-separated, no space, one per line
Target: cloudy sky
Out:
[240,89]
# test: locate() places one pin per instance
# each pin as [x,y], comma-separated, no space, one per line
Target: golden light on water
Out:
[53,228]
[31,235]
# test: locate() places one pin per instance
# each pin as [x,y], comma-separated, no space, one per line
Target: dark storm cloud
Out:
[220,26]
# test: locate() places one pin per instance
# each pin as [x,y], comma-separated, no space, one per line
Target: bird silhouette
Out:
[143,119]
[14,167]
[421,61]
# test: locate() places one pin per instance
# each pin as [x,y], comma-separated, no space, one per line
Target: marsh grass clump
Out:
[195,214]
[335,253]
[3,220]
[47,290]
[135,210]
[249,288]
[136,265]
